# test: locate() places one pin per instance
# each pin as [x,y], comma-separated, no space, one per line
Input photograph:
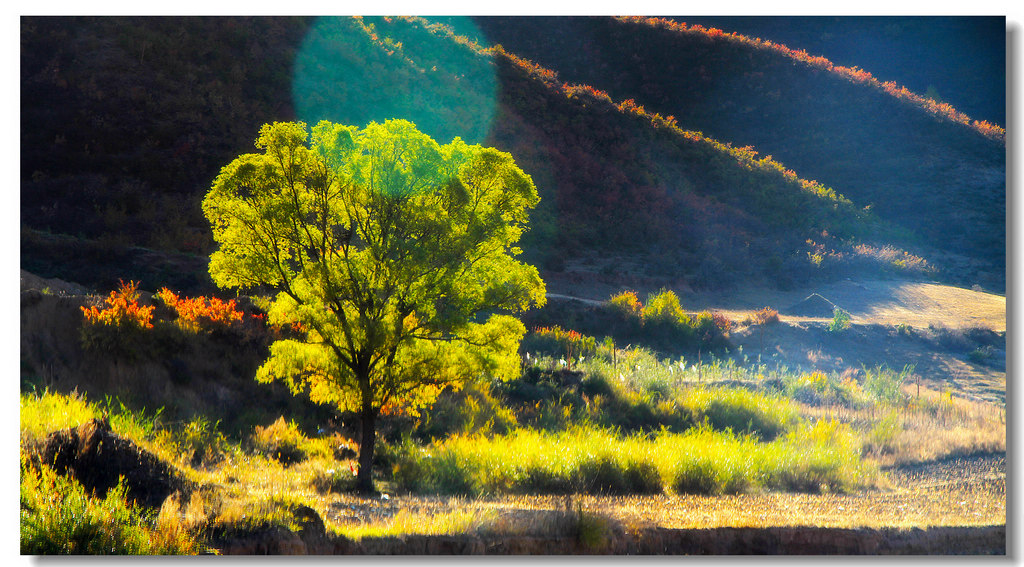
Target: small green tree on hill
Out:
[394,256]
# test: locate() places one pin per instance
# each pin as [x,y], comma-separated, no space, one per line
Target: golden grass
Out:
[954,504]
[460,520]
[49,411]
[931,425]
[244,488]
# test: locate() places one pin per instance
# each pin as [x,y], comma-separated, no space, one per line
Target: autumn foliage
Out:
[853,74]
[125,328]
[201,313]
[556,341]
[120,327]
[122,310]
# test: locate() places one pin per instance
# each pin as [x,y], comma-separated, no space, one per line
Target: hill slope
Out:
[128,120]
[914,161]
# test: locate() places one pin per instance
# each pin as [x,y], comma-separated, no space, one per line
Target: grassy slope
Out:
[614,177]
[835,124]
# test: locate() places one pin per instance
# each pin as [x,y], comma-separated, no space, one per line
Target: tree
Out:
[393,256]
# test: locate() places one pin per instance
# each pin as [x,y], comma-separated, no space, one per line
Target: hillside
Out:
[127,123]
[838,125]
[954,59]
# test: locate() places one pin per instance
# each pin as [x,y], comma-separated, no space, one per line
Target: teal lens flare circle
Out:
[352,70]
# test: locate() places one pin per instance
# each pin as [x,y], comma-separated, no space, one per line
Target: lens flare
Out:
[357,70]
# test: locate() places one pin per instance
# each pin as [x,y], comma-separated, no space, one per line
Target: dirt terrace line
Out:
[982,540]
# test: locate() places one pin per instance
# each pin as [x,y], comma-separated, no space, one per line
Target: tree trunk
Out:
[364,479]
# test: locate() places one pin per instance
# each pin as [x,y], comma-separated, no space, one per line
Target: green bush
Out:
[472,409]
[710,330]
[626,304]
[665,321]
[840,321]
[981,355]
[662,323]
[885,384]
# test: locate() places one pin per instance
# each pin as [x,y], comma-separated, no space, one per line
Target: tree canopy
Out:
[393,256]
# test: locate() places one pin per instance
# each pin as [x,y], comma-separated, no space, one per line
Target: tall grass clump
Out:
[48,411]
[578,460]
[555,341]
[284,442]
[134,424]
[822,389]
[58,517]
[823,456]
[885,384]
[763,415]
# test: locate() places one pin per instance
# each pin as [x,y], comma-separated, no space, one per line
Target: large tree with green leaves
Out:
[394,256]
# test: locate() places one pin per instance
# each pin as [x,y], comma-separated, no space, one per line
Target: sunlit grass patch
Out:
[822,456]
[741,410]
[466,520]
[59,517]
[51,411]
[933,425]
[281,440]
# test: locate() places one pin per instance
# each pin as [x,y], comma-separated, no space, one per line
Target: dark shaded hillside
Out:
[956,58]
[127,121]
[936,177]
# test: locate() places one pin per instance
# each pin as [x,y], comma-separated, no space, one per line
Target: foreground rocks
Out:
[98,458]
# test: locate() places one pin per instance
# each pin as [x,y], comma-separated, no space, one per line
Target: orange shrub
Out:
[122,309]
[201,313]
[120,327]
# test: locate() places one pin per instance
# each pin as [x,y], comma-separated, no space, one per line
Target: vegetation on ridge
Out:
[855,74]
